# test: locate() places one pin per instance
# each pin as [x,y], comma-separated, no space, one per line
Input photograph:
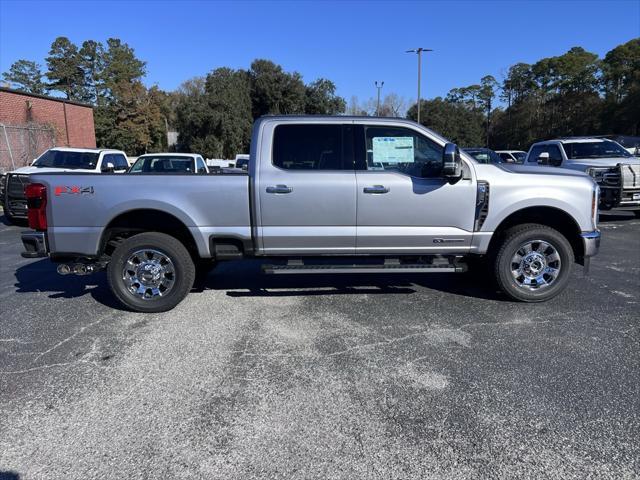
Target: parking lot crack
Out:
[62,342]
[47,366]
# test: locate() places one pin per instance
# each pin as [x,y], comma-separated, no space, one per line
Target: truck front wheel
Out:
[533,263]
[150,272]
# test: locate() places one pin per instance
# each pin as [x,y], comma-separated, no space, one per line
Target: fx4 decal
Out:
[72,190]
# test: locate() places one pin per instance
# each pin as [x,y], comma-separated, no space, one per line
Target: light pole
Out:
[419,52]
[379,87]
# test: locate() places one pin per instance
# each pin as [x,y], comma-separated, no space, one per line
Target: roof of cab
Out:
[171,154]
[83,149]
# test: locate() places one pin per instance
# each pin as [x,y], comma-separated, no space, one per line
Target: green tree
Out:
[321,98]
[193,119]
[133,123]
[274,91]
[453,120]
[64,70]
[621,86]
[91,60]
[128,115]
[486,94]
[229,98]
[25,75]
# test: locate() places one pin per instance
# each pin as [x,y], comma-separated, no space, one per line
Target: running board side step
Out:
[389,268]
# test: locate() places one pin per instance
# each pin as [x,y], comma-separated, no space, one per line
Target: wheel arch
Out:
[141,220]
[553,217]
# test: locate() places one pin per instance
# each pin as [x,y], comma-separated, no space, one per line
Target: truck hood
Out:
[539,170]
[29,170]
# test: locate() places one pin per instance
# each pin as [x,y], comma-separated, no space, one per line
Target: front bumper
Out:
[35,244]
[591,242]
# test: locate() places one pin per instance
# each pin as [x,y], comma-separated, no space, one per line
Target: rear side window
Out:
[308,147]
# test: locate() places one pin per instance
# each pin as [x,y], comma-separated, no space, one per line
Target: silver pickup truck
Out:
[322,195]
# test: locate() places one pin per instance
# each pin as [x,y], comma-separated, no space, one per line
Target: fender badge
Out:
[72,190]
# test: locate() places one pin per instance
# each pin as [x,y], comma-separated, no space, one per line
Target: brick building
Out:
[30,124]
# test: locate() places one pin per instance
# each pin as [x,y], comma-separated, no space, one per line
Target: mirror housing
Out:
[543,158]
[451,162]
[108,167]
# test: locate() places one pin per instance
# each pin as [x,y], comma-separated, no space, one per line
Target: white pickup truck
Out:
[616,171]
[56,160]
[323,195]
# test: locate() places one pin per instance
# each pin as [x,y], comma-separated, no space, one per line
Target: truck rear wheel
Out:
[150,272]
[533,263]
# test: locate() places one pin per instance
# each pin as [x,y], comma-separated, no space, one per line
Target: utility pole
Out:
[379,87]
[419,52]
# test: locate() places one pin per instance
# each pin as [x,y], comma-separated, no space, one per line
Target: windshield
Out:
[484,155]
[242,162]
[163,164]
[67,159]
[604,149]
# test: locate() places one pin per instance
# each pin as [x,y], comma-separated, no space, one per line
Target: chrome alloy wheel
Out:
[148,274]
[535,265]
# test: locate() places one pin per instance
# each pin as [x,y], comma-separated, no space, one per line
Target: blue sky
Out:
[352,43]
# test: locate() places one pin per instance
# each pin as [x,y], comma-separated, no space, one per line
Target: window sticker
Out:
[393,150]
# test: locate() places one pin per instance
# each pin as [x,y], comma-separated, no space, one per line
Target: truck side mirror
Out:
[543,158]
[108,167]
[451,162]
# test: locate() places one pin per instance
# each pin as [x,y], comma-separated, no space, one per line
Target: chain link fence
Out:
[21,144]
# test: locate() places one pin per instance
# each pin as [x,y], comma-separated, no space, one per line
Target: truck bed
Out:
[81,205]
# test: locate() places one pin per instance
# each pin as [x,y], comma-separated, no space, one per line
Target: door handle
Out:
[376,189]
[279,189]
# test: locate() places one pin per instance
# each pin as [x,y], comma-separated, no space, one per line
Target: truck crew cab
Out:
[322,195]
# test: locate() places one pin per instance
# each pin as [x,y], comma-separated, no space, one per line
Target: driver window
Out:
[402,150]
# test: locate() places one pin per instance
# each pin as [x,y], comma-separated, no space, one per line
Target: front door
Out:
[308,191]
[404,205]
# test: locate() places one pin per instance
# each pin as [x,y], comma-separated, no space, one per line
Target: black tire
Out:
[182,277]
[636,213]
[509,245]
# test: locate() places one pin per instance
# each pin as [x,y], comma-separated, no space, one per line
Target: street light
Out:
[419,52]
[379,87]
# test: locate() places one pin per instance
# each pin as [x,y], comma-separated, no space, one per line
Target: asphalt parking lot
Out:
[311,377]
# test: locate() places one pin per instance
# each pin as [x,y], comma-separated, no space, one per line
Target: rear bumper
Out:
[591,242]
[35,244]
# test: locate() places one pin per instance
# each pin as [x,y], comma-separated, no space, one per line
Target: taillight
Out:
[36,194]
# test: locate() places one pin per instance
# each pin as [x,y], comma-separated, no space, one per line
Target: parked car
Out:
[484,155]
[58,159]
[315,202]
[616,171]
[170,163]
[512,156]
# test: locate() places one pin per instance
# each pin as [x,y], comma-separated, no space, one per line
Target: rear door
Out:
[307,192]
[405,206]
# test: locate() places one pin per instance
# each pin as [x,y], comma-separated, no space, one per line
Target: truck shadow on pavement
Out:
[41,276]
[8,475]
[244,279]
